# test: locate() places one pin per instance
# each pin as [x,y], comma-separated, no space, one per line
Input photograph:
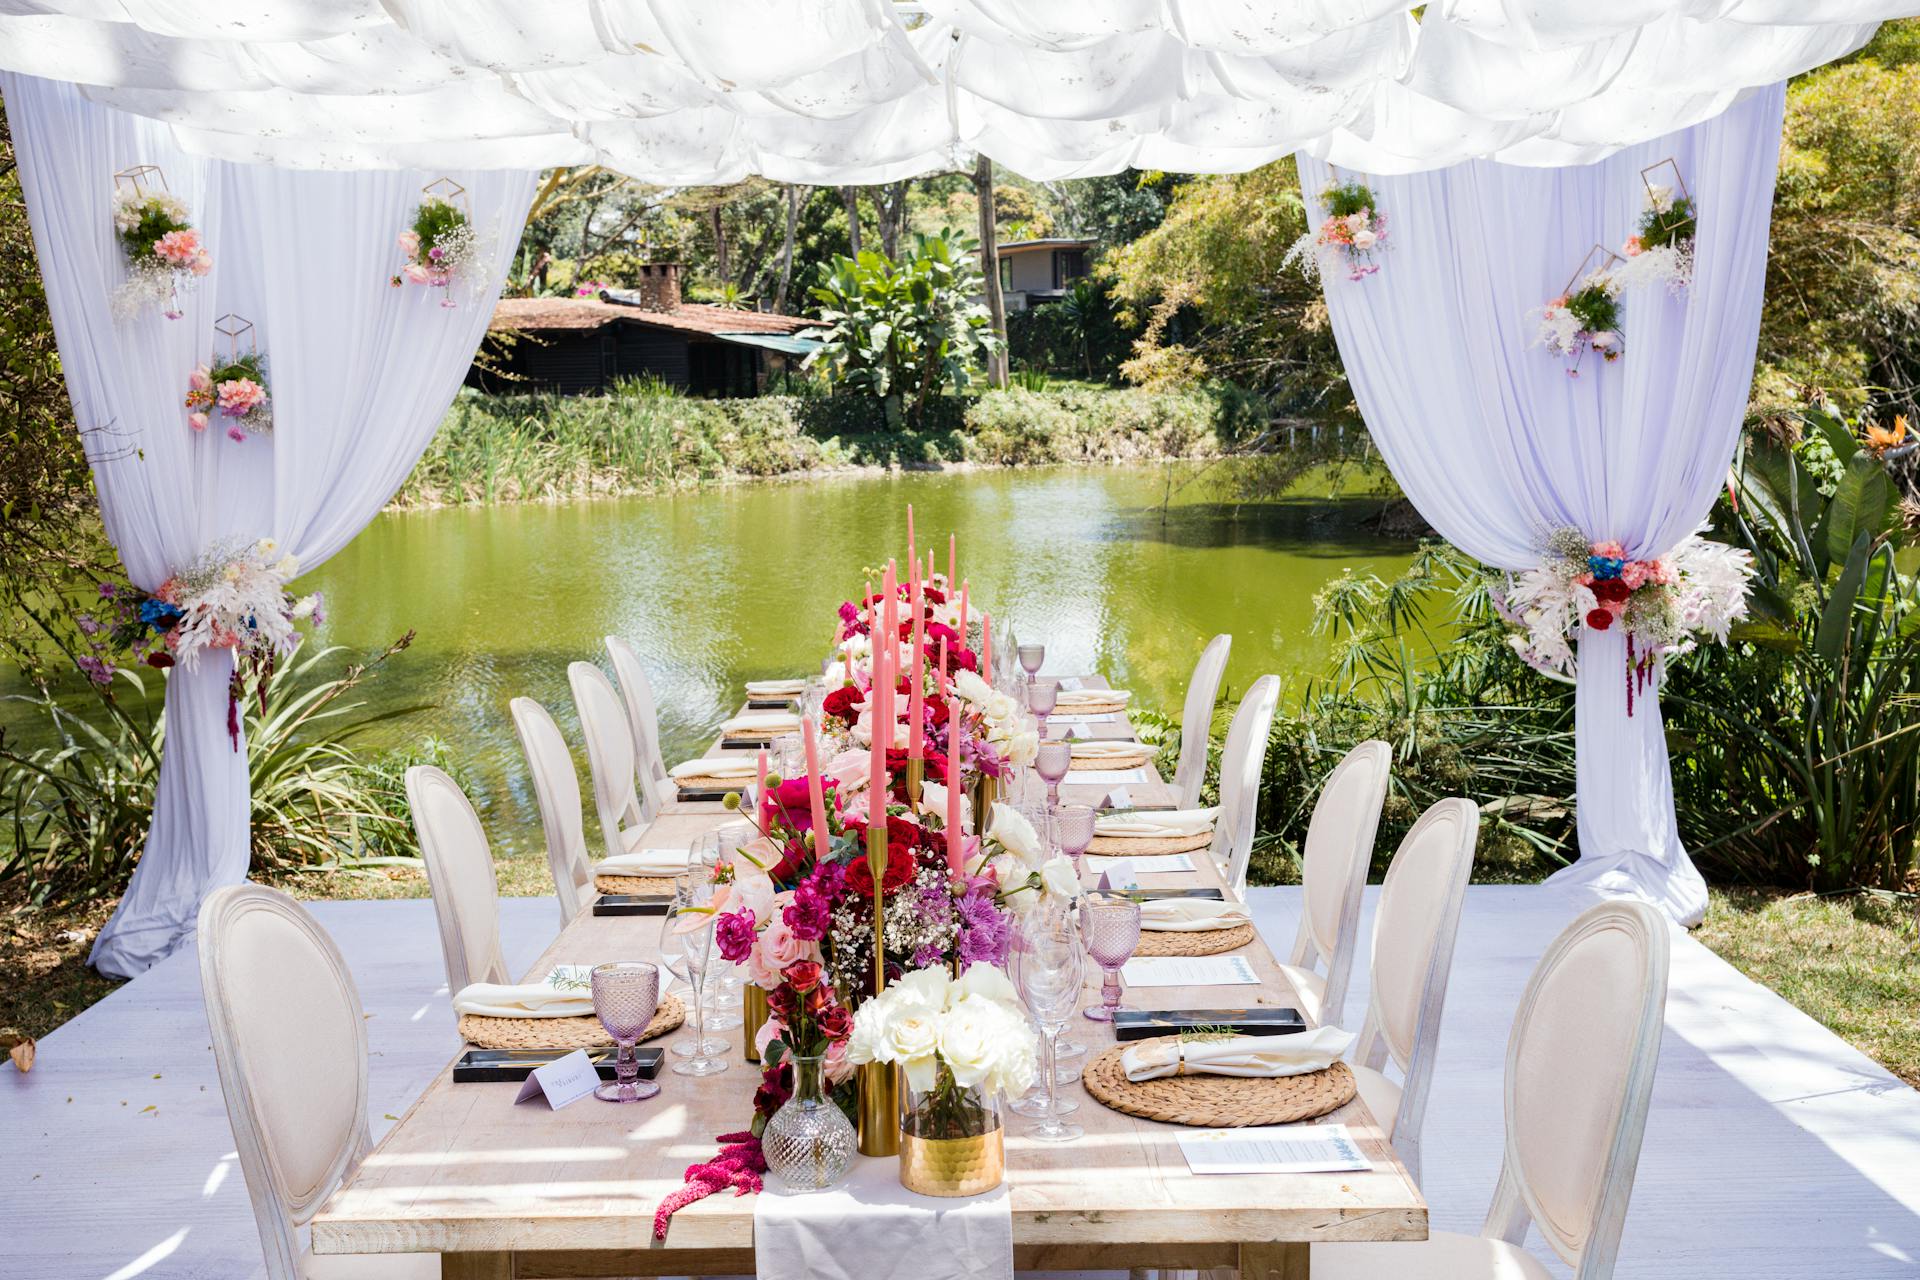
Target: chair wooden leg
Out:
[476,1266]
[1275,1260]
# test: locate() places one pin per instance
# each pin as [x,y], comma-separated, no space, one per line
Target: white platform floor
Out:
[1773,1149]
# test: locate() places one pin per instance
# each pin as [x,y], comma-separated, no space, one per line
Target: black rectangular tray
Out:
[1141,1024]
[631,904]
[769,704]
[746,744]
[492,1066]
[699,794]
[1158,895]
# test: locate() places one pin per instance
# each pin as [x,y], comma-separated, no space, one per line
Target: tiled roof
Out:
[591,313]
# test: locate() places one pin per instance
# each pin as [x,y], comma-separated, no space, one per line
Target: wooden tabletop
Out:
[520,1191]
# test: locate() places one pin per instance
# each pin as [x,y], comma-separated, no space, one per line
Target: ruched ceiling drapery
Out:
[360,375]
[1497,446]
[863,91]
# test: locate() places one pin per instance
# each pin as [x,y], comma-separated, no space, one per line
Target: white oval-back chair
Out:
[1333,872]
[1241,761]
[556,785]
[466,897]
[643,716]
[290,1044]
[1413,933]
[1196,720]
[610,757]
[1580,1066]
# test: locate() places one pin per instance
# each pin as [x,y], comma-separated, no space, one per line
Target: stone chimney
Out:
[659,287]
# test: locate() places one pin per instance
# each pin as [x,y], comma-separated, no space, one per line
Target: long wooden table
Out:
[520,1191]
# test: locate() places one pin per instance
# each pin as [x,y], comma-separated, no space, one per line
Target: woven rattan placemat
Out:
[1133,761]
[1216,1102]
[1147,846]
[633,884]
[1196,942]
[705,782]
[560,1033]
[1092,708]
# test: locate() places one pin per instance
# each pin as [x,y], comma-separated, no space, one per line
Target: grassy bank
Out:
[637,440]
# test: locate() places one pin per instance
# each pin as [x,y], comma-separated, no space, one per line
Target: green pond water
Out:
[717,587]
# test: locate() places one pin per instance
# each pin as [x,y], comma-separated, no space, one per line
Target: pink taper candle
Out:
[816,793]
[963,613]
[943,666]
[956,855]
[912,559]
[882,734]
[760,786]
[986,644]
[916,717]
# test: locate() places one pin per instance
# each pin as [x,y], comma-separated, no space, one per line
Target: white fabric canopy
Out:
[1497,446]
[360,375]
[860,91]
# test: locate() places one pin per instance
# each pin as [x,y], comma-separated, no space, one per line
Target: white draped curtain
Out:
[360,373]
[1496,444]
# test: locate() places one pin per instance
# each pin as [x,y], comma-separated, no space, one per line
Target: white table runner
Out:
[872,1228]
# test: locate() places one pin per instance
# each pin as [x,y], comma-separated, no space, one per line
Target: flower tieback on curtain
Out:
[164,251]
[1351,238]
[1586,315]
[1661,249]
[441,245]
[234,386]
[1665,605]
[233,597]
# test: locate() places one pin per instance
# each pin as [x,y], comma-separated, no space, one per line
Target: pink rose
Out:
[236,435]
[1635,574]
[1609,551]
[202,263]
[201,379]
[1634,247]
[417,273]
[241,396]
[198,421]
[409,243]
[178,247]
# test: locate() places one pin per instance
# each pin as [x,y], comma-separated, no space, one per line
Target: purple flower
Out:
[98,670]
[808,914]
[106,591]
[734,934]
[236,435]
[89,626]
[985,933]
[928,956]
[319,608]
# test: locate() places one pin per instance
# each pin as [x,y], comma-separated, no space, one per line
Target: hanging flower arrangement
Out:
[1586,316]
[1666,605]
[440,245]
[234,597]
[164,251]
[234,388]
[1661,249]
[1351,239]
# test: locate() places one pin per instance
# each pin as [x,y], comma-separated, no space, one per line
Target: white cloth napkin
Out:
[1293,1055]
[1067,699]
[543,999]
[715,767]
[1166,824]
[1192,915]
[1106,750]
[776,688]
[645,862]
[872,1228]
[763,722]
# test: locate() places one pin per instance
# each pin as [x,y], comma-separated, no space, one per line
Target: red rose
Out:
[836,1023]
[1611,590]
[818,1001]
[843,703]
[901,869]
[783,1004]
[802,975]
[1599,619]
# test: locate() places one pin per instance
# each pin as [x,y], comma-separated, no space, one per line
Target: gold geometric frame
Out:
[1608,258]
[233,328]
[1679,184]
[142,180]
[450,191]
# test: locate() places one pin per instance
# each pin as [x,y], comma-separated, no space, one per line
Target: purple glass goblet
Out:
[1073,828]
[1051,761]
[1042,697]
[626,995]
[1110,926]
[1031,656]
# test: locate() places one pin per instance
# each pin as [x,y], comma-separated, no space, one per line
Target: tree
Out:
[987,198]
[903,331]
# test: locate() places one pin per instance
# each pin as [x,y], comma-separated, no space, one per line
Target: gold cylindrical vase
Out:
[953,1166]
[879,1085]
[985,791]
[753,1016]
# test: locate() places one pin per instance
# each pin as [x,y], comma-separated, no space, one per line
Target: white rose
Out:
[1022,748]
[1014,876]
[986,982]
[1019,1062]
[1059,878]
[999,707]
[1357,221]
[1364,239]
[266,546]
[303,608]
[287,566]
[1011,831]
[971,687]
[971,1034]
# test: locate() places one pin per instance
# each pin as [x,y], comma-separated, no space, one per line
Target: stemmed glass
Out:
[626,995]
[1073,828]
[1110,923]
[1031,656]
[1042,696]
[1034,1103]
[686,947]
[723,982]
[1051,762]
[1050,975]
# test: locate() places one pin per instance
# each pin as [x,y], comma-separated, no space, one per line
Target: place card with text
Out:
[1153,865]
[562,1081]
[1189,971]
[1274,1148]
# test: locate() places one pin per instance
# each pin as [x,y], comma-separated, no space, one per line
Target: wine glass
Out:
[686,947]
[1033,1103]
[1050,976]
[1042,696]
[1110,923]
[626,995]
[1051,762]
[1073,828]
[1031,656]
[813,699]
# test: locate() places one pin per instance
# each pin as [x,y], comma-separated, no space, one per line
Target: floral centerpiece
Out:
[1352,237]
[441,248]
[1584,319]
[234,388]
[165,253]
[1665,605]
[234,597]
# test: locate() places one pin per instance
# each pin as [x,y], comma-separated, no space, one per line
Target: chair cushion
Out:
[1381,1095]
[369,1266]
[1309,989]
[1444,1256]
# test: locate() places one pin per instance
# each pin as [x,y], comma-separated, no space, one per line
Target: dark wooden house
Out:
[581,346]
